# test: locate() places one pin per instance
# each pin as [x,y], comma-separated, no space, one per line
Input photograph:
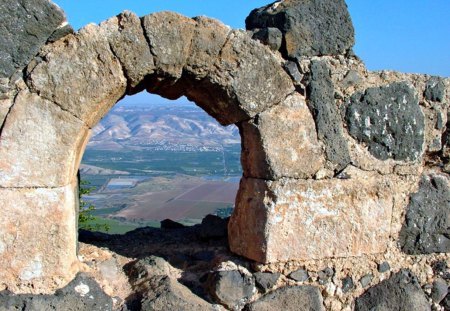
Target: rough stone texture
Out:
[299,275]
[81,294]
[37,238]
[266,281]
[347,284]
[281,142]
[243,65]
[401,292]
[79,73]
[384,267]
[427,224]
[20,37]
[231,288]
[41,145]
[389,120]
[165,293]
[435,89]
[325,112]
[270,36]
[338,217]
[290,298]
[309,27]
[439,290]
[129,45]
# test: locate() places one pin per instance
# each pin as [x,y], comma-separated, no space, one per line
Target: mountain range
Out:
[168,125]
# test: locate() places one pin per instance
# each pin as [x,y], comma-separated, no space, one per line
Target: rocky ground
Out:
[191,268]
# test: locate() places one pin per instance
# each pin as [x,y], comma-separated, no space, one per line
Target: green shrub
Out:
[86,220]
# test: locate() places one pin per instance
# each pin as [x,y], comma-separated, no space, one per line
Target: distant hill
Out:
[172,125]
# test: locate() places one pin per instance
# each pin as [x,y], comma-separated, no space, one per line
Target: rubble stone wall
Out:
[338,161]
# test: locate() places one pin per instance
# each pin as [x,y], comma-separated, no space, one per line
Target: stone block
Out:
[40,144]
[309,27]
[37,238]
[25,27]
[126,37]
[389,120]
[281,142]
[169,35]
[79,73]
[293,219]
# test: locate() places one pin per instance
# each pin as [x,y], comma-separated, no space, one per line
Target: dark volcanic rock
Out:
[309,27]
[82,294]
[325,113]
[325,275]
[299,275]
[290,298]
[389,120]
[271,37]
[401,292]
[427,225]
[170,224]
[231,288]
[435,89]
[347,284]
[167,294]
[366,280]
[266,281]
[384,267]
[213,227]
[25,26]
[439,290]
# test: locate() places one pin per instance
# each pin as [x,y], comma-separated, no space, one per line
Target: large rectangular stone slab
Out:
[293,219]
[37,238]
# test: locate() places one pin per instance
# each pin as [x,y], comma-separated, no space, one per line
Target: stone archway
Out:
[315,184]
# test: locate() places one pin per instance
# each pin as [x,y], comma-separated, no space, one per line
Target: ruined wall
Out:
[338,162]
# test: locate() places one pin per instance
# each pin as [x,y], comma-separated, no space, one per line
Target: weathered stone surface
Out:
[41,145]
[347,284]
[389,120]
[309,27]
[325,275]
[165,293]
[81,74]
[401,292]
[324,110]
[299,275]
[270,36]
[81,294]
[366,280]
[231,288]
[281,142]
[208,40]
[246,80]
[37,238]
[325,218]
[169,35]
[439,290]
[435,89]
[427,224]
[384,267]
[265,280]
[148,267]
[290,298]
[25,27]
[128,43]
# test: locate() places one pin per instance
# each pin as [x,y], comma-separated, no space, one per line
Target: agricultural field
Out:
[157,185]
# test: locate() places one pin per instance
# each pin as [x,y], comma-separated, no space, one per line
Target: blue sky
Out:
[406,35]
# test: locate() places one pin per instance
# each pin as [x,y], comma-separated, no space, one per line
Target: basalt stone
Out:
[439,290]
[25,27]
[213,227]
[270,36]
[326,115]
[82,294]
[299,275]
[231,288]
[388,120]
[384,267]
[427,224]
[265,280]
[435,89]
[347,284]
[366,280]
[309,27]
[290,298]
[165,293]
[401,292]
